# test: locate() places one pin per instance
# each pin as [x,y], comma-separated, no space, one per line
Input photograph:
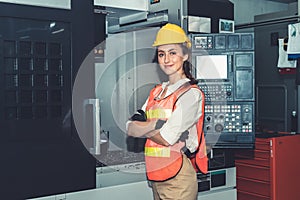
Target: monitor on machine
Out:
[212,67]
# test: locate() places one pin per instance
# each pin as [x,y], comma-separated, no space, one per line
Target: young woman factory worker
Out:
[173,121]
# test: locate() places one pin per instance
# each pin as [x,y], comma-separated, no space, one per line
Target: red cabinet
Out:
[272,170]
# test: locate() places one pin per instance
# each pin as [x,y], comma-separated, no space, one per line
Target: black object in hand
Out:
[140,115]
[184,136]
[159,123]
[136,144]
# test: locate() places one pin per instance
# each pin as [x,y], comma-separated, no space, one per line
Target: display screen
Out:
[211,67]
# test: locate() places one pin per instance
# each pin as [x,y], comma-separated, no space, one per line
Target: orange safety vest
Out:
[164,162]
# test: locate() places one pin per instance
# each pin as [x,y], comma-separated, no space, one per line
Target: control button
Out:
[219,127]
[208,118]
[208,128]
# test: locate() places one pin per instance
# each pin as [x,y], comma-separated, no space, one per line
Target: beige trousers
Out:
[183,186]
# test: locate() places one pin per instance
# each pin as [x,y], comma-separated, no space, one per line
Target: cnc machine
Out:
[121,88]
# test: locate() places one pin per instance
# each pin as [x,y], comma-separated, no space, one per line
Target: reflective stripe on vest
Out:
[159,113]
[158,151]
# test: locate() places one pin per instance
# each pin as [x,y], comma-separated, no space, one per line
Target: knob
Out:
[219,127]
[208,128]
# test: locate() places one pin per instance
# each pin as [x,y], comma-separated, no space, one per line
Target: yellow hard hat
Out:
[171,34]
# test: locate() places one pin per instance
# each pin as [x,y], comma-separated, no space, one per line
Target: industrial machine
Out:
[224,65]
[128,181]
[131,28]
[41,50]
[194,16]
[121,87]
[209,185]
[125,76]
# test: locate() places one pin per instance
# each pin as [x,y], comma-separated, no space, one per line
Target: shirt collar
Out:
[173,87]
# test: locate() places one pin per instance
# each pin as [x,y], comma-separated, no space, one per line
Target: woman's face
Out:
[171,59]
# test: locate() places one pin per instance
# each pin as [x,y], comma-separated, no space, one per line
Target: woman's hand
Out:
[179,145]
[140,128]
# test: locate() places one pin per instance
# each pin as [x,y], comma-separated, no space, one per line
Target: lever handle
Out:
[96,125]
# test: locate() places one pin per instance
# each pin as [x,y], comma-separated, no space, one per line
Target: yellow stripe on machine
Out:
[157,151]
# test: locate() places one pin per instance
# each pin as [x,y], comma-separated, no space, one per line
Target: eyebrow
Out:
[159,50]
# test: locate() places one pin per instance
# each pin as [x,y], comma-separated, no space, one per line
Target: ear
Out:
[185,57]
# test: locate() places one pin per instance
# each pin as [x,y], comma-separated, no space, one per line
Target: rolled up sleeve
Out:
[186,114]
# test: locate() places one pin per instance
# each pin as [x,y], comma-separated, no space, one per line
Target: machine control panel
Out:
[203,42]
[225,67]
[229,118]
[229,125]
[217,92]
[232,42]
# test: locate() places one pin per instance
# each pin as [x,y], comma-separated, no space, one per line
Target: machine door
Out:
[37,154]
[35,76]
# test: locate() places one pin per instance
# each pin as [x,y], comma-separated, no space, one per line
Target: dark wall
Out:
[215,9]
[36,161]
[276,97]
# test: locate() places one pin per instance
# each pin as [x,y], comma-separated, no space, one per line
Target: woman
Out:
[174,112]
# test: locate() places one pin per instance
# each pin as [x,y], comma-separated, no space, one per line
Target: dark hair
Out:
[187,66]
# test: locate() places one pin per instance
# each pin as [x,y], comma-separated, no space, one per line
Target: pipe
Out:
[298,10]
[268,22]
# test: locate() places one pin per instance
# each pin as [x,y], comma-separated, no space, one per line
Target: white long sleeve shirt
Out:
[184,117]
